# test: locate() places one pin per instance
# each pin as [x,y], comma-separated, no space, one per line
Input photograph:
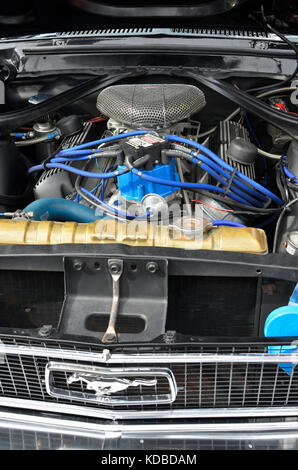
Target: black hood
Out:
[46,16]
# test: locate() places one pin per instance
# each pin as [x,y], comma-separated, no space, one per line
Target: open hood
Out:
[197,8]
[149,218]
[36,17]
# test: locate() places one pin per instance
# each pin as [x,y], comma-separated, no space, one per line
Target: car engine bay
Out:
[149,176]
[148,223]
[155,155]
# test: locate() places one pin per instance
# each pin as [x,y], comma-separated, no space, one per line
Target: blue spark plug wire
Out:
[228,167]
[112,208]
[227,223]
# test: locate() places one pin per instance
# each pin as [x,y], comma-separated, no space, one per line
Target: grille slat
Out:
[200,385]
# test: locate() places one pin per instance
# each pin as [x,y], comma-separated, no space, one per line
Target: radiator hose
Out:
[61,210]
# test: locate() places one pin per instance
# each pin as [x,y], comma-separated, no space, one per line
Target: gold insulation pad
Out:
[134,233]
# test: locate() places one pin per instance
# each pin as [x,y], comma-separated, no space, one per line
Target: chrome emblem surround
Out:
[106,382]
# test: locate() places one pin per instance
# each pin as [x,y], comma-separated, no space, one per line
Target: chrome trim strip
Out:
[163,358]
[269,430]
[104,373]
[115,415]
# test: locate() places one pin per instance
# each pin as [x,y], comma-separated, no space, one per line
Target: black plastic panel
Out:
[223,306]
[30,299]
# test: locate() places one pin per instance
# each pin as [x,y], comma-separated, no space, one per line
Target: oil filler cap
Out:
[70,125]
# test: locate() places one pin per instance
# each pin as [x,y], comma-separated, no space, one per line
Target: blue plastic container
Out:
[282,322]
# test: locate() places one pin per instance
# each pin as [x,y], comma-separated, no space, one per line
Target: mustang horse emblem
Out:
[107,386]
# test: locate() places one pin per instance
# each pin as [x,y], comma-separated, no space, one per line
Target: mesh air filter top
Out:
[150,106]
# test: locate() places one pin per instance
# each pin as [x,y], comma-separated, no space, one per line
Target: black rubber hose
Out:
[255,211]
[286,122]
[279,221]
[14,119]
[281,184]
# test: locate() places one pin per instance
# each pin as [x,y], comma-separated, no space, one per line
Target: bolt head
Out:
[78,265]
[152,267]
[115,268]
[45,330]
[170,336]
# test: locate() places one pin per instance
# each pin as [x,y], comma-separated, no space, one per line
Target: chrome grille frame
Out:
[132,356]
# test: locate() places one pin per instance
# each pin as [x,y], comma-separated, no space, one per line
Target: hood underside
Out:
[35,17]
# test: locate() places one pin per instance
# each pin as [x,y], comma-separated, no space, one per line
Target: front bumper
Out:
[40,432]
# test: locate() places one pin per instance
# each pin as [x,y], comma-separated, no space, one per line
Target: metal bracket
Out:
[114,300]
[116,270]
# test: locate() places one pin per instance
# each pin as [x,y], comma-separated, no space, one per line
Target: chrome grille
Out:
[251,378]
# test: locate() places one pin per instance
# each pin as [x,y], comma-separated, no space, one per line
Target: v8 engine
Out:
[152,156]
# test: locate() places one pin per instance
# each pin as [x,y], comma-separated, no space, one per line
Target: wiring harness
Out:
[233,186]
